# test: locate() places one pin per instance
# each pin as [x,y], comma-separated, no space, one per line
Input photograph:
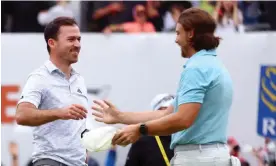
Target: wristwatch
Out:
[143,129]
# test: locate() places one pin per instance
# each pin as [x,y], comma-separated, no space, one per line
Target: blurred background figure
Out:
[91,161]
[21,16]
[266,155]
[235,150]
[228,16]
[61,8]
[101,14]
[174,9]
[140,23]
[146,151]
[14,153]
[111,157]
[13,149]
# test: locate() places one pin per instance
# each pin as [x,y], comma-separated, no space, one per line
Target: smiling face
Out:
[67,44]
[182,39]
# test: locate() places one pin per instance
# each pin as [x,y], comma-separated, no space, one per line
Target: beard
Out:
[69,57]
[72,55]
[72,58]
[184,52]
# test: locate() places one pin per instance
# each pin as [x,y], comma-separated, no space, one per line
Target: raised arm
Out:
[111,115]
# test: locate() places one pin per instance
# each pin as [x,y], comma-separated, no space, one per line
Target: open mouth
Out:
[75,51]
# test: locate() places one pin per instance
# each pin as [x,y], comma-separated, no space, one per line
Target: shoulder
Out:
[193,72]
[40,74]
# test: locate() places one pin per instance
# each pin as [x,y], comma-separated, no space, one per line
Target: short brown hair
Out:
[203,25]
[52,29]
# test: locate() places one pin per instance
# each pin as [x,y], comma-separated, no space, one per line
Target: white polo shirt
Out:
[47,88]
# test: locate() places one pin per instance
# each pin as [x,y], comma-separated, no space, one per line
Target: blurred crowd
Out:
[135,16]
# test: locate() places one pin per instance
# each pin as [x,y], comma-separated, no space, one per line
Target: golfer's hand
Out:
[127,135]
[106,112]
[74,111]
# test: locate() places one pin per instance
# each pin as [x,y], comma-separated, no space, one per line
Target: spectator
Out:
[105,13]
[140,23]
[250,11]
[14,152]
[155,12]
[62,8]
[92,162]
[208,6]
[23,15]
[146,152]
[235,150]
[261,156]
[266,155]
[13,149]
[228,16]
[174,11]
[111,157]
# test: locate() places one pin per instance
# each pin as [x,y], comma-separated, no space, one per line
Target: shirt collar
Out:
[52,67]
[202,52]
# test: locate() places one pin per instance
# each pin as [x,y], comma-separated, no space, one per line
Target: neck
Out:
[64,67]
[191,52]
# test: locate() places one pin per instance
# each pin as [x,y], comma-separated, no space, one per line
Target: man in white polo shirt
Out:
[54,100]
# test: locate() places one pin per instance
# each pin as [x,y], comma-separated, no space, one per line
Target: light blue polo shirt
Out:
[205,80]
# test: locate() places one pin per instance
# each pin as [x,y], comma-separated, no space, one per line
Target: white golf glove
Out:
[98,139]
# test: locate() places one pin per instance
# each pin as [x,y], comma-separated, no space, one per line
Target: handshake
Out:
[102,138]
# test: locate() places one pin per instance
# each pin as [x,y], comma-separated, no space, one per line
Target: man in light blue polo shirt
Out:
[199,116]
[205,81]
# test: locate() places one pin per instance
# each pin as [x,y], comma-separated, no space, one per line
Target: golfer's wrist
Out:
[120,117]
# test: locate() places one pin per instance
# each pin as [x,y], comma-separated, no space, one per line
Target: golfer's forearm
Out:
[34,117]
[165,126]
[140,117]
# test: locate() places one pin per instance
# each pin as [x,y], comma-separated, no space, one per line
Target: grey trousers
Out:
[48,162]
[203,155]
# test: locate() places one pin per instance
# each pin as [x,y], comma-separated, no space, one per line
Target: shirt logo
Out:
[79,91]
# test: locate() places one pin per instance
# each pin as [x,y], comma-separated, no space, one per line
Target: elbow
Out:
[20,119]
[188,124]
[185,124]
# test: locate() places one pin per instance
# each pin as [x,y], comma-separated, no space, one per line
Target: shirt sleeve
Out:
[33,90]
[192,86]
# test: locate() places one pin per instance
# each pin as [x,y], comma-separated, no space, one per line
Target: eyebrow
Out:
[70,37]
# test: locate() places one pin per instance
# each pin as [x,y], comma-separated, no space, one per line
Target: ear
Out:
[51,43]
[190,34]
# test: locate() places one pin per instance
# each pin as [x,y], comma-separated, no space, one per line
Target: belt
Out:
[190,147]
[48,162]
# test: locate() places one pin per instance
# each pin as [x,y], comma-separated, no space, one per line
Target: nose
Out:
[77,43]
[176,41]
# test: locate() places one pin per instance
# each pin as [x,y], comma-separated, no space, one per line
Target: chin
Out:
[74,61]
[184,51]
[183,54]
